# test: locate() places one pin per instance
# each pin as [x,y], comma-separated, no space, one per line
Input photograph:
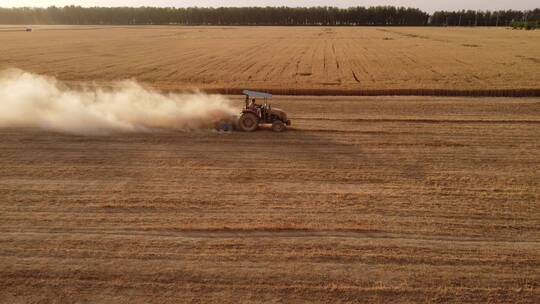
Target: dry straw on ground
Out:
[394,200]
[297,60]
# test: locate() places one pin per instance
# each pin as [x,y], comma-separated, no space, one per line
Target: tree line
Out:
[326,16]
[484,18]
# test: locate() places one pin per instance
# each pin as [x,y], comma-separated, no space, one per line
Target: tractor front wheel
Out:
[248,122]
[278,126]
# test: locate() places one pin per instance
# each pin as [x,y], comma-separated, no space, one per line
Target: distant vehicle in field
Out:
[253,115]
[28,29]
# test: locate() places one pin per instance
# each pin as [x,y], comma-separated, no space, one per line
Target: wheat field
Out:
[367,199]
[379,199]
[297,60]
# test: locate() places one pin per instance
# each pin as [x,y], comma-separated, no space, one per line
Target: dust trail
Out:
[31,100]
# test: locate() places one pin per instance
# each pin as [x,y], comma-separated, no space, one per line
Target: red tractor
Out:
[255,114]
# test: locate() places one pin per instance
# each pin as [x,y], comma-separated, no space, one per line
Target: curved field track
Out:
[286,60]
[390,200]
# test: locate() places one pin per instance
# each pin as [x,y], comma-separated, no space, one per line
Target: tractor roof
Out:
[257,94]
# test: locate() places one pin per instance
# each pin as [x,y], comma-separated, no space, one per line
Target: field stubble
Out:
[286,60]
[368,199]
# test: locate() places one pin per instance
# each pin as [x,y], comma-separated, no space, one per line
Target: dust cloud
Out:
[36,101]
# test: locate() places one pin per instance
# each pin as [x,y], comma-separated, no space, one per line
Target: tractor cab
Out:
[251,100]
[255,114]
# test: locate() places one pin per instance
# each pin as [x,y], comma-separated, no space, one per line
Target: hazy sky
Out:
[428,5]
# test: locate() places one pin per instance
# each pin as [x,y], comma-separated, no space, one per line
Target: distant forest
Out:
[325,16]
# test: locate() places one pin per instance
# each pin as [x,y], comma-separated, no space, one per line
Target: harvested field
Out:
[285,60]
[387,199]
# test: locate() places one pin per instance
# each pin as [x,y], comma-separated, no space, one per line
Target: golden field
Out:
[367,199]
[295,60]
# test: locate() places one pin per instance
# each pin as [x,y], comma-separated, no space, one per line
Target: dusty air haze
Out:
[31,100]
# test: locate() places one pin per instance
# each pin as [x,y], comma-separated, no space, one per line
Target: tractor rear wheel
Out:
[278,126]
[248,122]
